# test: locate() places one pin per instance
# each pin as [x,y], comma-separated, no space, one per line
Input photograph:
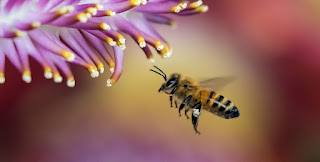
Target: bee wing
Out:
[217,83]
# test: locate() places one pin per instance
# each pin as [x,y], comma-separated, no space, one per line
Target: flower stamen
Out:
[142,42]
[196,4]
[82,17]
[35,24]
[57,78]
[26,76]
[98,6]
[176,9]
[20,33]
[71,82]
[48,73]
[2,78]
[68,55]
[105,26]
[55,33]
[110,13]
[135,2]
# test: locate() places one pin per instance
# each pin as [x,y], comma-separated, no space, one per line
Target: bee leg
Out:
[195,116]
[175,102]
[171,93]
[185,101]
[186,111]
[180,108]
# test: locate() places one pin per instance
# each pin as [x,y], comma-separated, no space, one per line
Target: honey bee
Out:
[194,95]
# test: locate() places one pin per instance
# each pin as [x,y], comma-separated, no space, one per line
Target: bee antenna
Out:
[164,77]
[161,71]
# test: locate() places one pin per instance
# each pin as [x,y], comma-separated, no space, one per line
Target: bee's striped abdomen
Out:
[217,104]
[223,107]
[210,96]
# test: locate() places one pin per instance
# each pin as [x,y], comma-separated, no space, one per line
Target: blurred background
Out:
[270,46]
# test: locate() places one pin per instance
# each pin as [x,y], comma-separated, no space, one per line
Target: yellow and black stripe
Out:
[217,104]
[221,106]
[210,96]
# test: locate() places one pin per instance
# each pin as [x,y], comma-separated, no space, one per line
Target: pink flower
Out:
[57,32]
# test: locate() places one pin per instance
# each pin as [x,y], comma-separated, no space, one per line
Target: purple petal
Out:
[127,27]
[22,53]
[100,47]
[159,19]
[42,39]
[8,48]
[118,54]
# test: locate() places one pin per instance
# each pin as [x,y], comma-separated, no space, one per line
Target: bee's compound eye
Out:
[171,82]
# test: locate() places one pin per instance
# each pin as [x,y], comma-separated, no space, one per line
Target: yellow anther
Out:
[82,17]
[47,73]
[203,8]
[2,78]
[143,2]
[121,38]
[62,11]
[183,5]
[196,4]
[57,78]
[112,64]
[110,13]
[104,26]
[158,45]
[100,67]
[122,46]
[94,68]
[71,82]
[68,55]
[69,9]
[98,6]
[56,75]
[119,44]
[91,69]
[47,70]
[176,9]
[110,41]
[135,2]
[142,42]
[140,39]
[193,5]
[166,51]
[20,33]
[92,10]
[27,72]
[26,76]
[88,15]
[35,24]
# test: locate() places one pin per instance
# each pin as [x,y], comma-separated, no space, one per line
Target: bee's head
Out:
[170,83]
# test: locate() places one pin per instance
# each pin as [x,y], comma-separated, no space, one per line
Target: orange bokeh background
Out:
[271,47]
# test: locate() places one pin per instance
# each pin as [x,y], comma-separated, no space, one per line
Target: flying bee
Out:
[196,96]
